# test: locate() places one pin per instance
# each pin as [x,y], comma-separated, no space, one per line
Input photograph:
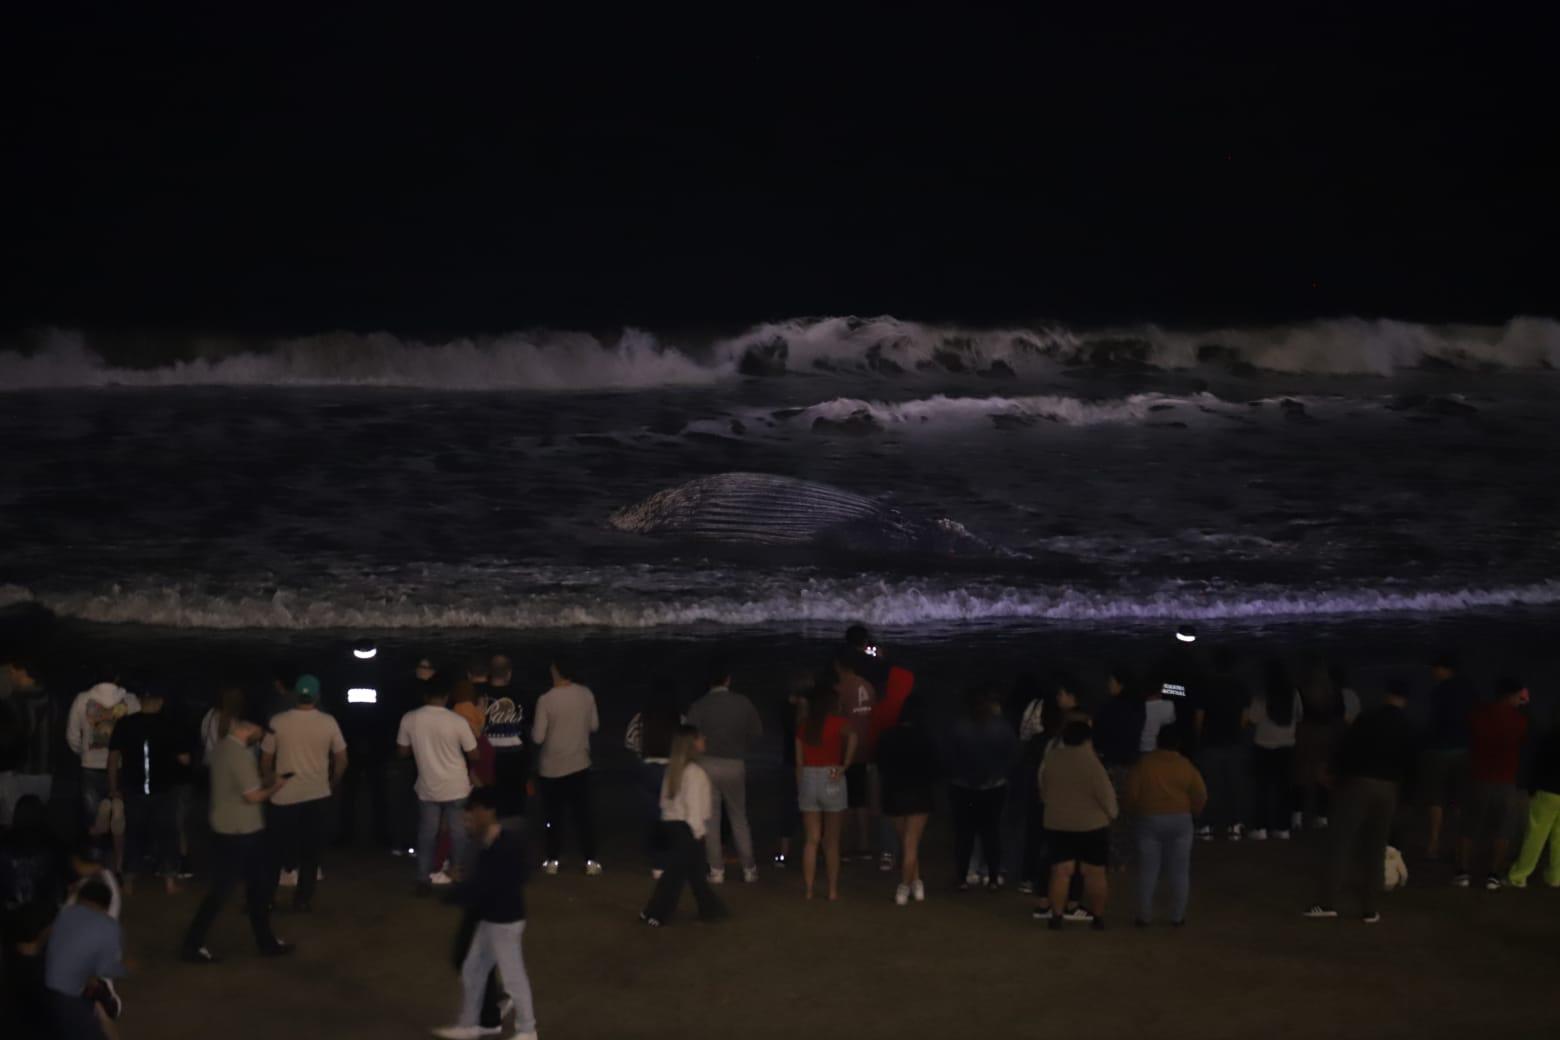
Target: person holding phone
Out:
[825,747]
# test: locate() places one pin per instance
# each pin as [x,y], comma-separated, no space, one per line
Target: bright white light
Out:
[362,695]
[1186,637]
[365,654]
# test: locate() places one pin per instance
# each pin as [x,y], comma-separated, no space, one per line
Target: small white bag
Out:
[1396,870]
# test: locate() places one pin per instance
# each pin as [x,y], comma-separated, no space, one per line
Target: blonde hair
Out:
[684,751]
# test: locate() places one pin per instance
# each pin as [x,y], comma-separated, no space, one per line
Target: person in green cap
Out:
[305,747]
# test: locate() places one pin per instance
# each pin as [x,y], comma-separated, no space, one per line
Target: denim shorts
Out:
[818,792]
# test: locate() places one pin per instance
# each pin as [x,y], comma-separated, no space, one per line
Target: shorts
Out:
[1090,847]
[857,786]
[1496,811]
[1443,777]
[818,792]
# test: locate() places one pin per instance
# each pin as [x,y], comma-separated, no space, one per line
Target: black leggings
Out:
[684,865]
[977,812]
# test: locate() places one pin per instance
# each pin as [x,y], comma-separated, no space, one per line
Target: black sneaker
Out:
[1055,923]
[1098,924]
[278,949]
[1461,879]
[1319,912]
[1371,918]
[1493,883]
[653,922]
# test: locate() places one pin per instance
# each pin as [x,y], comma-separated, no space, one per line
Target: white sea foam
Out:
[642,600]
[639,360]
[943,410]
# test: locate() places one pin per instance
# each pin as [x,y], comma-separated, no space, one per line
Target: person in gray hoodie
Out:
[88,727]
[731,726]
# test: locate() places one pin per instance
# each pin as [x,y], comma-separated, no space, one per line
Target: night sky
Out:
[218,172]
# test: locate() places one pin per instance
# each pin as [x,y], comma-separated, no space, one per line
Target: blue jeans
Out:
[1164,840]
[429,816]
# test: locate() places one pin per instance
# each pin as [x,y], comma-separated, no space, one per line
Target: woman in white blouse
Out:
[686,806]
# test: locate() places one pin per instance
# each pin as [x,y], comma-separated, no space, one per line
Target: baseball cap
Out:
[307,688]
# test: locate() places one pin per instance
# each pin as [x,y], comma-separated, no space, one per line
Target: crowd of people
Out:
[1047,793]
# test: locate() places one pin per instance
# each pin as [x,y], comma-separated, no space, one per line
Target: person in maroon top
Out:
[1496,732]
[857,698]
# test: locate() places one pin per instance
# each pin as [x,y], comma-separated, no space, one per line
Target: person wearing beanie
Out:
[305,746]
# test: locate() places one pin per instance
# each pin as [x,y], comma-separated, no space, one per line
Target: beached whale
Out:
[763,509]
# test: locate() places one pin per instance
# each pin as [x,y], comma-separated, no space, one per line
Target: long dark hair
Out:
[1319,694]
[660,718]
[822,702]
[1278,692]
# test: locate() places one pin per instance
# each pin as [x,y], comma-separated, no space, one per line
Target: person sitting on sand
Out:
[687,801]
[84,954]
[825,746]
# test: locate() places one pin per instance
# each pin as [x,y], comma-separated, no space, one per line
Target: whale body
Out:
[763,509]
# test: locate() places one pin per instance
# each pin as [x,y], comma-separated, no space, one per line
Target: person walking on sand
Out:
[1164,792]
[1079,807]
[1377,756]
[565,719]
[239,847]
[910,768]
[731,728]
[494,897]
[445,749]
[687,800]
[825,746]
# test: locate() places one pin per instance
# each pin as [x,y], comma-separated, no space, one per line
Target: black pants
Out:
[1358,839]
[152,831]
[568,794]
[369,772]
[1036,867]
[977,812]
[1272,794]
[299,833]
[237,857]
[685,865]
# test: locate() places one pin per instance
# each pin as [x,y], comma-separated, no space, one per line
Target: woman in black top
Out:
[908,766]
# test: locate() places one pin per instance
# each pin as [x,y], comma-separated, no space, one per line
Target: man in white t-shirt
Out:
[565,719]
[304,745]
[444,748]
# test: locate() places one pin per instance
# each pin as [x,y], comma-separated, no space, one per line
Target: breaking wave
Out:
[641,600]
[883,346]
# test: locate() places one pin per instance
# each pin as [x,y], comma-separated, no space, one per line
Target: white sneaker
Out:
[440,878]
[918,890]
[886,862]
[1297,821]
[972,879]
[718,876]
[902,895]
[1077,913]
[319,873]
[289,879]
[1320,912]
[1257,834]
[655,875]
[749,875]
[1236,832]
[549,866]
[1205,833]
[592,868]
[1281,835]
